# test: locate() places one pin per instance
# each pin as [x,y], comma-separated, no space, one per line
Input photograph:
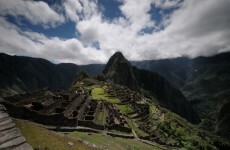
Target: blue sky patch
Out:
[96,45]
[65,30]
[111,8]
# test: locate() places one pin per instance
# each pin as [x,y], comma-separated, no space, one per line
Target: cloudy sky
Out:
[90,31]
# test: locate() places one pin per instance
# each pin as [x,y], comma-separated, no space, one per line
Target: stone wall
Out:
[25,113]
[120,135]
[11,138]
[118,127]
[90,124]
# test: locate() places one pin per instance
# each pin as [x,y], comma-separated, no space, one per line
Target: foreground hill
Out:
[20,74]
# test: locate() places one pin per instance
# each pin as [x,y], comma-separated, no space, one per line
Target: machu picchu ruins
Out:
[78,108]
[101,107]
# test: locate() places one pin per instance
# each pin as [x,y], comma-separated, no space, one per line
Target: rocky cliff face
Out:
[119,71]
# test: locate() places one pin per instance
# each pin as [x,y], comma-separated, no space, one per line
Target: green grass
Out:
[114,143]
[99,93]
[100,118]
[42,138]
[138,131]
[125,109]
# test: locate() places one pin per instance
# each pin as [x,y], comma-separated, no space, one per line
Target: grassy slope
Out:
[42,138]
[100,118]
[175,130]
[138,131]
[125,109]
[99,93]
[114,143]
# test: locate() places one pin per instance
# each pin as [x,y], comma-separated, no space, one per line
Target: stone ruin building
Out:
[77,108]
[61,108]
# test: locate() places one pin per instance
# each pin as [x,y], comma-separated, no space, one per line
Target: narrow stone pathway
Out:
[10,136]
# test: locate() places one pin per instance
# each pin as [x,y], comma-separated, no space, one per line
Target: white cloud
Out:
[72,8]
[167,3]
[196,28]
[35,12]
[137,13]
[15,42]
[80,9]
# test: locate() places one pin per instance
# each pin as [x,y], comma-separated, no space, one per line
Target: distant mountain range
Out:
[205,82]
[174,70]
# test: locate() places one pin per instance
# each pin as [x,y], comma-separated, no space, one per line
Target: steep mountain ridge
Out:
[207,87]
[19,74]
[119,71]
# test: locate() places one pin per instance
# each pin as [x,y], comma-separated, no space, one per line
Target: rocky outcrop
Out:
[10,136]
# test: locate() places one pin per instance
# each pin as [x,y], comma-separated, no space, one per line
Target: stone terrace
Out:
[10,136]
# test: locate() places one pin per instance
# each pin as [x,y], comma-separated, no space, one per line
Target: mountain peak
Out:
[119,70]
[118,54]
[116,58]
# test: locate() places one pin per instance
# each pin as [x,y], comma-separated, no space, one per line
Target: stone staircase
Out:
[10,136]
